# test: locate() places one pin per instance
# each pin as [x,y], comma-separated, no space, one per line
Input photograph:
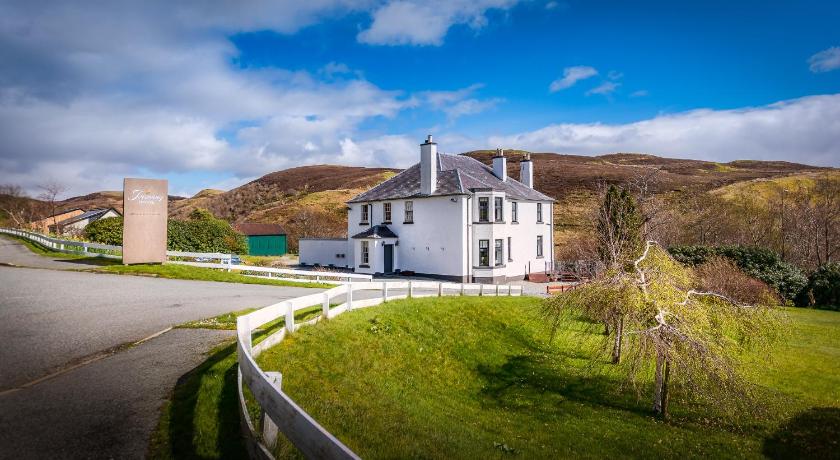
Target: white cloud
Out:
[606,88]
[572,75]
[640,93]
[459,102]
[803,130]
[825,60]
[417,22]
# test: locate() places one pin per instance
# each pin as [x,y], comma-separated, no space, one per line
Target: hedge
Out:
[823,289]
[201,233]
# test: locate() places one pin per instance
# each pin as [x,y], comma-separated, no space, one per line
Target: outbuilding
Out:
[264,239]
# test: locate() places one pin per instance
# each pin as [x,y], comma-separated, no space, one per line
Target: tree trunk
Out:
[619,330]
[606,328]
[660,389]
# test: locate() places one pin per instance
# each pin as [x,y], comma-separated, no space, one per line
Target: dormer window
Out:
[498,209]
[365,214]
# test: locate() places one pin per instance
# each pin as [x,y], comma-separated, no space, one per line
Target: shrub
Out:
[760,263]
[722,275]
[823,288]
[201,233]
[105,231]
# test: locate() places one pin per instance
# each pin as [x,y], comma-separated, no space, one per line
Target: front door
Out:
[389,258]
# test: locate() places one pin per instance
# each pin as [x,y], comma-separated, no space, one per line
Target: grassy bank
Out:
[201,418]
[186,272]
[478,378]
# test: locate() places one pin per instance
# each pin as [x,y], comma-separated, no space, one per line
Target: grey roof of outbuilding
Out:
[93,213]
[377,231]
[457,175]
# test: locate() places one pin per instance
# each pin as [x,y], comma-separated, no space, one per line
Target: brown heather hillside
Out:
[310,200]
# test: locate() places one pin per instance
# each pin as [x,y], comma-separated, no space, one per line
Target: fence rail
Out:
[115,252]
[279,413]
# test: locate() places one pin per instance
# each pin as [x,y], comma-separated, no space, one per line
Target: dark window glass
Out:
[539,212]
[498,209]
[514,212]
[499,252]
[386,211]
[484,209]
[539,246]
[510,254]
[483,253]
[365,253]
[365,215]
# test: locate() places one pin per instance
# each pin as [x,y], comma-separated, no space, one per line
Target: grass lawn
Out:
[187,272]
[476,377]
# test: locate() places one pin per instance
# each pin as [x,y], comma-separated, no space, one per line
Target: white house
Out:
[448,217]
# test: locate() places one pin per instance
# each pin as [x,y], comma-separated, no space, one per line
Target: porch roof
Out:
[377,231]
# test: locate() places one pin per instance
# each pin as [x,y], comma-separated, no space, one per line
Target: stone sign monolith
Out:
[145,204]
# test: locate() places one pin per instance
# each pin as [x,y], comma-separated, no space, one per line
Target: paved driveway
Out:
[51,320]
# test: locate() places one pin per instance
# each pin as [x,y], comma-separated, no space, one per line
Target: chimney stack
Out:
[500,165]
[526,171]
[428,166]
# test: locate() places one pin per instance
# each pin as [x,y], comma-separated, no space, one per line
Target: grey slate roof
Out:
[93,213]
[377,231]
[457,175]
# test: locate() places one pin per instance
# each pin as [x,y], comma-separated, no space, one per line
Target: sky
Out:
[212,94]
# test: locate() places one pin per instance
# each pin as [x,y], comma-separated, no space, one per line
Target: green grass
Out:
[186,272]
[201,418]
[478,378]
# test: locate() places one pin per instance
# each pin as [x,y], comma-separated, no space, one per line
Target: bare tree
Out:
[19,209]
[50,192]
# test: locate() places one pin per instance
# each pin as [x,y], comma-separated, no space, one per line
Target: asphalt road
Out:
[51,320]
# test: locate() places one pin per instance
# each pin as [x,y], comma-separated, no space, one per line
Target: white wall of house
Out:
[325,252]
[518,238]
[77,227]
[432,244]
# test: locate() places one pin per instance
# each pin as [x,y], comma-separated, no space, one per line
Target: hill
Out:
[309,200]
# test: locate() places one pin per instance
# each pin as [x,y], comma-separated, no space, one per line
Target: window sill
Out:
[385,222]
[540,222]
[408,222]
[364,223]
[364,266]
[514,222]
[540,257]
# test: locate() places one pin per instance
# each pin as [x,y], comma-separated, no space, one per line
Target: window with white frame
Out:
[386,212]
[539,213]
[484,209]
[499,209]
[365,252]
[365,214]
[539,246]
[483,253]
[499,253]
[514,212]
[409,212]
[510,246]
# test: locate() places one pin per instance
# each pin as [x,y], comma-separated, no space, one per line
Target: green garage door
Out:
[267,245]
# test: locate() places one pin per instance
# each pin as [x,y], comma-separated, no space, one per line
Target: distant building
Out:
[43,225]
[449,217]
[76,224]
[264,239]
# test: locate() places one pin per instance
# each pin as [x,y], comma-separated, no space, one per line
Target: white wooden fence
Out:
[115,252]
[279,413]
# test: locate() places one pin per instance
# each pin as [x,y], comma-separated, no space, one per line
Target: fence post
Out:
[462,289]
[384,291]
[269,429]
[349,297]
[325,307]
[480,290]
[410,289]
[440,289]
[497,290]
[290,317]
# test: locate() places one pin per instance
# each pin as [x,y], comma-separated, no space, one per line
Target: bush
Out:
[722,275]
[823,288]
[764,264]
[201,233]
[105,231]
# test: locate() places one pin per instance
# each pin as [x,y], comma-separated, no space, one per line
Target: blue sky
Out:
[210,96]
